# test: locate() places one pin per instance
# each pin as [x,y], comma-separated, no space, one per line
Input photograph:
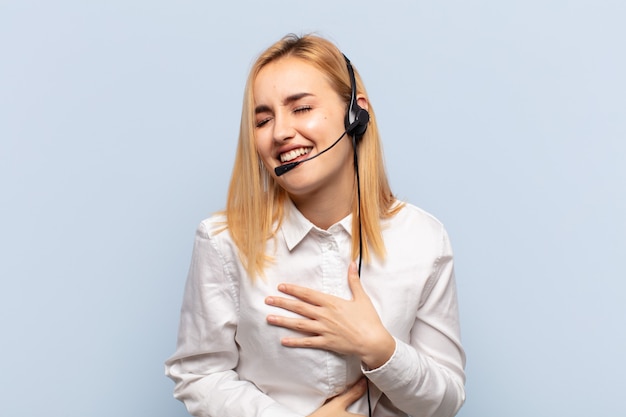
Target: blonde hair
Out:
[254,208]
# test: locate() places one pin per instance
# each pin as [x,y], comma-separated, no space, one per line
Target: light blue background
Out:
[118,122]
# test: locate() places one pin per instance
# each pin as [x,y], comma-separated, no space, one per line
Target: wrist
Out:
[380,351]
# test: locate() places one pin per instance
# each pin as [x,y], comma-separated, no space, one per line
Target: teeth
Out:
[291,155]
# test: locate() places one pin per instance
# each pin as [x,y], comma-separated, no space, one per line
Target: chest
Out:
[395,285]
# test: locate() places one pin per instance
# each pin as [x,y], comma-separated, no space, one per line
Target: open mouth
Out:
[293,154]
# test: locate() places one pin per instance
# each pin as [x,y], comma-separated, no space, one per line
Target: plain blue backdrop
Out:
[118,122]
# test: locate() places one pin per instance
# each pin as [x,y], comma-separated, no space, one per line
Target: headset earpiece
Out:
[357,117]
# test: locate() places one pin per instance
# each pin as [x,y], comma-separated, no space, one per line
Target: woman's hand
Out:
[337,406]
[342,326]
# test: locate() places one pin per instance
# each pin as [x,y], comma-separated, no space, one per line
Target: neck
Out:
[325,209]
[324,215]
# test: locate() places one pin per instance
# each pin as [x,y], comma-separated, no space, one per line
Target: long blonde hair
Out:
[254,208]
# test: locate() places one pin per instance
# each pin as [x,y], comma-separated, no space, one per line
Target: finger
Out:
[307,326]
[312,342]
[354,281]
[305,294]
[353,393]
[295,306]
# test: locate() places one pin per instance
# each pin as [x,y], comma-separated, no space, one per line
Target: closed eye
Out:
[263,122]
[302,109]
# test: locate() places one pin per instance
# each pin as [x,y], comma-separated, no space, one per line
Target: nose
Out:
[283,128]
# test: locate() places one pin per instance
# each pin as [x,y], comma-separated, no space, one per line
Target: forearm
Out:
[418,385]
[220,394]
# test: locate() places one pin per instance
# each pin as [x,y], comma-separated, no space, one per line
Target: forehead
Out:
[287,76]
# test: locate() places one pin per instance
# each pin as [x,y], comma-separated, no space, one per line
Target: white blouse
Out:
[229,361]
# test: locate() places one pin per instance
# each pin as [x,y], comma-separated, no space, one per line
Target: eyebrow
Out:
[288,100]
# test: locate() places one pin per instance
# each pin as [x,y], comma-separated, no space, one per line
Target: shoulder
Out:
[414,227]
[214,231]
[413,217]
[213,226]
[215,248]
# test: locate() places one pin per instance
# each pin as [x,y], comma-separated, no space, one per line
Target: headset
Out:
[357,117]
[356,122]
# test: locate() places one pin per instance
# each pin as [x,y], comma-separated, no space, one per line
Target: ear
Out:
[362,101]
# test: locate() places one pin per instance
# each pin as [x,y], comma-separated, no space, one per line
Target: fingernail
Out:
[269,300]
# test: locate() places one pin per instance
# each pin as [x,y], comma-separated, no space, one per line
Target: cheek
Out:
[317,124]
[329,122]
[263,147]
[262,143]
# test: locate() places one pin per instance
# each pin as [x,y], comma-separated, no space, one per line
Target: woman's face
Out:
[298,115]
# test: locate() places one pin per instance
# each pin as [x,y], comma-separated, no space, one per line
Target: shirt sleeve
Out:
[203,367]
[425,377]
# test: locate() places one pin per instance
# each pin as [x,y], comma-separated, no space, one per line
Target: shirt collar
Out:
[295,226]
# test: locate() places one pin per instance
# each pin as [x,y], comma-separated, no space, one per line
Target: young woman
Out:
[276,321]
